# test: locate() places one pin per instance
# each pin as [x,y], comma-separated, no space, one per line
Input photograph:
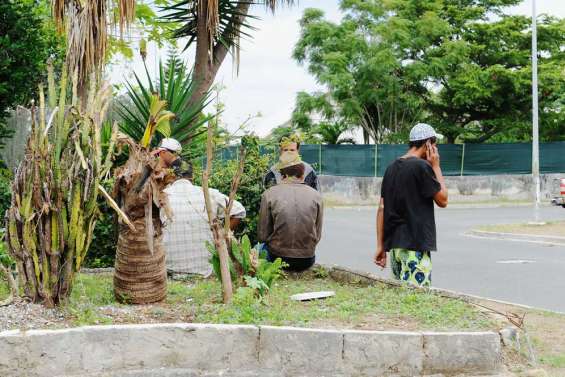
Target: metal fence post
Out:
[320,157]
[376,160]
[462,159]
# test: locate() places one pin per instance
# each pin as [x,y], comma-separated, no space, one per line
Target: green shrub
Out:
[257,273]
[249,191]
[102,251]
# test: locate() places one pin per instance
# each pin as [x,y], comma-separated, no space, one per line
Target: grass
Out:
[353,306]
[551,228]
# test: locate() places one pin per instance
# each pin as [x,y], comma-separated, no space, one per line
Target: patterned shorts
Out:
[414,267]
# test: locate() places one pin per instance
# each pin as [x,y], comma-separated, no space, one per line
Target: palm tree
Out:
[174,84]
[140,276]
[215,27]
[86,28]
[330,133]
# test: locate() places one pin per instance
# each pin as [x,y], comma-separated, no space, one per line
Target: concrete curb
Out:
[531,238]
[242,350]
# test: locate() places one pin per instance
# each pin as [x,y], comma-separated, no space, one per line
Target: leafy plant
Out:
[174,86]
[250,187]
[247,267]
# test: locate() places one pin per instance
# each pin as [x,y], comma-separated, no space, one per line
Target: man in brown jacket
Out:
[290,219]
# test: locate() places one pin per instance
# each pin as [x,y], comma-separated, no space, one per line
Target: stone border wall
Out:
[242,350]
[466,189]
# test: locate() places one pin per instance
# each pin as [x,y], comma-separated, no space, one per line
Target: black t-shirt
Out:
[408,188]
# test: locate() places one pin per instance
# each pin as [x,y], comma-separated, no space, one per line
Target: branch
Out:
[11,284]
[116,208]
[217,231]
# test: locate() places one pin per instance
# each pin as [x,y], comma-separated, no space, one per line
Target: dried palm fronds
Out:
[85,23]
[140,276]
[53,211]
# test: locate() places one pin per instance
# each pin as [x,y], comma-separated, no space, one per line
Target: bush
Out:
[102,251]
[5,191]
[249,191]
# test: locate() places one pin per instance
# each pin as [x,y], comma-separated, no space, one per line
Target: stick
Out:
[219,239]
[11,283]
[116,208]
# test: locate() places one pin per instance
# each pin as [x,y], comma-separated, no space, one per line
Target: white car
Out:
[560,199]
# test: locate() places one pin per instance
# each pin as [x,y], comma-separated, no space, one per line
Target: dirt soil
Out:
[547,333]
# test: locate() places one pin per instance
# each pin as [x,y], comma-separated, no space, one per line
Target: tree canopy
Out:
[463,66]
[27,40]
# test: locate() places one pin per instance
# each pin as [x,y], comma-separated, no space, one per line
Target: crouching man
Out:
[185,236]
[290,218]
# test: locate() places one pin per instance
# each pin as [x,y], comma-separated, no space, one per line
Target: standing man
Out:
[290,218]
[405,218]
[274,177]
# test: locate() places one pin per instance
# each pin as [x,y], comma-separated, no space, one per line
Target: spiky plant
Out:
[53,211]
[175,85]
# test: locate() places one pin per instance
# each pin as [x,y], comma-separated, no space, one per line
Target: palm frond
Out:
[174,85]
[230,25]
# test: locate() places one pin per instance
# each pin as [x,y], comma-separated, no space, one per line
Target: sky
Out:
[269,78]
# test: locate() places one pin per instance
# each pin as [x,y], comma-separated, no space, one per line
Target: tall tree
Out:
[27,40]
[463,65]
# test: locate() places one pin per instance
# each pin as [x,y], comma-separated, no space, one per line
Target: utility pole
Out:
[535,125]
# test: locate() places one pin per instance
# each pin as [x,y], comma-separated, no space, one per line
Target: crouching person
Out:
[184,238]
[290,218]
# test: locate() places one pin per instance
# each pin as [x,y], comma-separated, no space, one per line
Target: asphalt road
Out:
[462,263]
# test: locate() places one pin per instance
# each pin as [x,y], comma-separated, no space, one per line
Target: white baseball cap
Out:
[171,144]
[423,131]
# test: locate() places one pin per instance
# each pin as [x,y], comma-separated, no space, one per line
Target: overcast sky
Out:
[269,78]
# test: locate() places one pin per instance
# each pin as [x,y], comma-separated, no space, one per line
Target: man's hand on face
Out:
[380,258]
[432,154]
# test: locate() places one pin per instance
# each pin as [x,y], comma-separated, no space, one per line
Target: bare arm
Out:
[441,197]
[380,255]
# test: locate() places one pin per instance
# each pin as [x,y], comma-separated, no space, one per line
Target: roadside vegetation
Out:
[355,306]
[549,229]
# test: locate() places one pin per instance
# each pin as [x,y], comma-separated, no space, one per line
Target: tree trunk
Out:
[140,276]
[209,54]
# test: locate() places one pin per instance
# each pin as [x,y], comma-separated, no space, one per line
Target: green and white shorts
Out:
[414,267]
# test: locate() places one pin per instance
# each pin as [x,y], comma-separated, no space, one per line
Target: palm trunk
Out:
[141,276]
[209,56]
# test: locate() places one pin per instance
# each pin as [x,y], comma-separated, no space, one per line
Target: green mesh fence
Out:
[456,159]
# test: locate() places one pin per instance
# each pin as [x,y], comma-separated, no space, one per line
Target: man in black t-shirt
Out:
[405,218]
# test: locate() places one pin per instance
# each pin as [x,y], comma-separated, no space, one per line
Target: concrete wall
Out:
[366,190]
[239,350]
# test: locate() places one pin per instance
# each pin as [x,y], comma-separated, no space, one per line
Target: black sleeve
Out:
[269,180]
[312,180]
[428,181]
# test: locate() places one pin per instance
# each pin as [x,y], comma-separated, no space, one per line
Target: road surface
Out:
[465,264]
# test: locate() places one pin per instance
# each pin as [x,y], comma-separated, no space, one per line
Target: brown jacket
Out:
[290,220]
